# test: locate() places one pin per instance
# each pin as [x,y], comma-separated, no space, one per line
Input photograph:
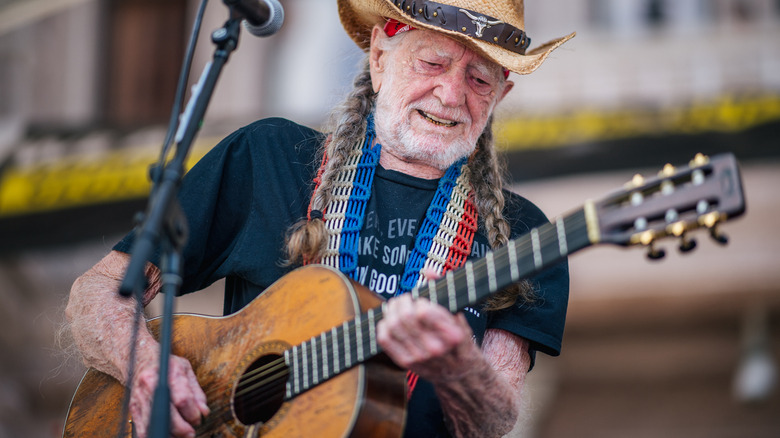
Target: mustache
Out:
[434,108]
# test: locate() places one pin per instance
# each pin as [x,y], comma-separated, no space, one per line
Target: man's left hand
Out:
[427,339]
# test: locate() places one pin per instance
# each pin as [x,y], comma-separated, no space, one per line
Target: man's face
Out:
[435,97]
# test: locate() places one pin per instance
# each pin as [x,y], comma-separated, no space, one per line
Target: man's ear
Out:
[507,86]
[377,57]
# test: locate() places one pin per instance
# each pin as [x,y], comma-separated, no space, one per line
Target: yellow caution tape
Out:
[123,175]
[82,180]
[728,114]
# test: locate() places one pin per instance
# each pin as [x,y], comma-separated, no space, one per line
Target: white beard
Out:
[393,128]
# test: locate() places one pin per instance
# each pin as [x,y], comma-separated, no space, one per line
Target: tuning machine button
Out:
[667,171]
[711,220]
[687,244]
[637,181]
[699,160]
[647,239]
[718,237]
[679,229]
[654,253]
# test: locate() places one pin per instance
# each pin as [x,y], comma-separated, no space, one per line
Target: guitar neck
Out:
[535,251]
[345,346]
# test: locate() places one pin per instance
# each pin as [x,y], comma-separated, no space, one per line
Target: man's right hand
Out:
[100,321]
[188,401]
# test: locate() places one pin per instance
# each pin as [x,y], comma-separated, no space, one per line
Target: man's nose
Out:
[451,88]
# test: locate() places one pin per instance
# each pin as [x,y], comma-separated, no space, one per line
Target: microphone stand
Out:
[165,226]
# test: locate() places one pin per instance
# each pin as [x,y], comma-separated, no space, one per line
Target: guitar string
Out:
[258,400]
[249,384]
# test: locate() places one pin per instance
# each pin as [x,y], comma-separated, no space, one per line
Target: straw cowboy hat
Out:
[494,29]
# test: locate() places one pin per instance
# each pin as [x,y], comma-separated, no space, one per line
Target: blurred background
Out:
[686,346]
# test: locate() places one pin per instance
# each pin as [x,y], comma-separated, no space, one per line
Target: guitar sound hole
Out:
[260,390]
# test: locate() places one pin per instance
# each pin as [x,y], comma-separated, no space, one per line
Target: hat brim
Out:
[359,16]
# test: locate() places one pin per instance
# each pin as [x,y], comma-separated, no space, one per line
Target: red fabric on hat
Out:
[394,27]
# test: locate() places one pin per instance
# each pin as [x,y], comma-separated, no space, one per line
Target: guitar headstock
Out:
[703,194]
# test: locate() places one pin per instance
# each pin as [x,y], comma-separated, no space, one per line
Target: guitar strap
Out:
[444,239]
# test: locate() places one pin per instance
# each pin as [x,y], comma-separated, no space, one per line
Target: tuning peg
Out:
[679,229]
[718,236]
[710,220]
[687,244]
[654,253]
[647,238]
[699,160]
[637,181]
[667,171]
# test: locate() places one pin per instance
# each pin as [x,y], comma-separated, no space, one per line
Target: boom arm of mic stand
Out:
[165,226]
[148,235]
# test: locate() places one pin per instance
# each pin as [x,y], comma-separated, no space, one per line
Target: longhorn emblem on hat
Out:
[481,22]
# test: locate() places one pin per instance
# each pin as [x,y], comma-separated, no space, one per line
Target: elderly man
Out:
[412,140]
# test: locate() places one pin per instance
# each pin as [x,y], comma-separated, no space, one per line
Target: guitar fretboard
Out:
[353,342]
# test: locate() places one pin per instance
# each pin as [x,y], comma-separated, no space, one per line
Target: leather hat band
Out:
[466,22]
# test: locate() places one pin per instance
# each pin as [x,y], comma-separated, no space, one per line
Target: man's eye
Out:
[482,83]
[481,86]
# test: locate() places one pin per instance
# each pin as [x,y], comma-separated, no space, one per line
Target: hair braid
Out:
[307,239]
[487,179]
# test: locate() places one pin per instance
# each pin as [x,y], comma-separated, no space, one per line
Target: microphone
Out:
[261,17]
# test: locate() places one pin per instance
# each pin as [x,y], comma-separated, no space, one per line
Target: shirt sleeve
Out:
[225,197]
[208,197]
[541,319]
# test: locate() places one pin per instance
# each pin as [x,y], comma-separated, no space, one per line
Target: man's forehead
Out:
[422,40]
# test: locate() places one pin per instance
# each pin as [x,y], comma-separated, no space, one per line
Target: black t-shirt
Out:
[242,197]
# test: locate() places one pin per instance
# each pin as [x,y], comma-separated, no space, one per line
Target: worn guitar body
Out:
[365,400]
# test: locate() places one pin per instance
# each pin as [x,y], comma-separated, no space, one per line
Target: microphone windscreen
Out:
[274,23]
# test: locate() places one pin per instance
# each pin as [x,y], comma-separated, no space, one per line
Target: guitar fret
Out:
[314,367]
[305,366]
[526,256]
[452,301]
[347,349]
[450,283]
[324,343]
[334,336]
[433,294]
[371,332]
[491,268]
[535,248]
[514,273]
[288,385]
[470,286]
[359,333]
[295,370]
[562,245]
[577,235]
[551,251]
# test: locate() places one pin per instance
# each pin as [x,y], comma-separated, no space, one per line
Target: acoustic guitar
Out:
[302,359]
